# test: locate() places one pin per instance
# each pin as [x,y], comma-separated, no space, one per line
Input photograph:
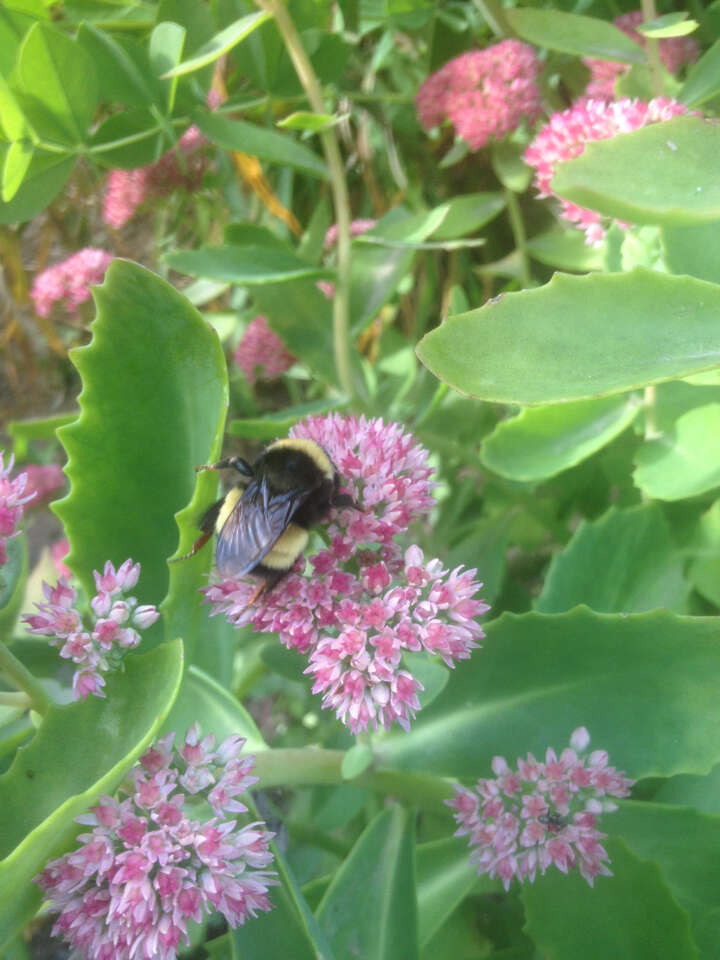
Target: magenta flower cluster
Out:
[179,168]
[674,52]
[367,600]
[13,497]
[152,860]
[543,814]
[69,282]
[100,647]
[261,354]
[485,94]
[567,133]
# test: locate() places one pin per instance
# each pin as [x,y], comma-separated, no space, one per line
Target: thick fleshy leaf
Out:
[566,250]
[288,930]
[571,33]
[382,923]
[542,441]
[302,317]
[56,71]
[445,877]
[685,845]
[220,44]
[246,265]
[704,571]
[13,576]
[579,337]
[126,76]
[658,174]
[44,179]
[693,250]
[609,672]
[684,463]
[468,213]
[268,145]
[202,699]
[63,771]
[703,79]
[625,562]
[17,161]
[632,914]
[154,393]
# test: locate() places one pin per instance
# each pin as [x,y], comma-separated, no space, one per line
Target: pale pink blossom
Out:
[485,94]
[567,133]
[675,52]
[43,481]
[69,282]
[357,228]
[152,861]
[366,600]
[14,495]
[541,815]
[59,550]
[181,167]
[98,645]
[261,354]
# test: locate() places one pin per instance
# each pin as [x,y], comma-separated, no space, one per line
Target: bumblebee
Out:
[262,522]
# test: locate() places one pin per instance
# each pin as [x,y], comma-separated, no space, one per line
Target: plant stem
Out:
[338,186]
[313,767]
[14,699]
[21,677]
[518,230]
[651,429]
[653,48]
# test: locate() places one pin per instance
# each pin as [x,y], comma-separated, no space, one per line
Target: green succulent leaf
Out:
[52,781]
[625,562]
[152,405]
[654,175]
[220,44]
[609,919]
[382,924]
[579,337]
[572,33]
[685,462]
[538,677]
[542,441]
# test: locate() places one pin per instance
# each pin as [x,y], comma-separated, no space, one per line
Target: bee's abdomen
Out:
[286,550]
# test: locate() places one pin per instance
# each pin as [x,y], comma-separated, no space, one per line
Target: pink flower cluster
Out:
[43,480]
[366,601]
[485,94]
[99,647]
[261,354]
[675,52]
[357,228]
[69,281]
[542,814]
[179,168]
[567,133]
[148,866]
[12,503]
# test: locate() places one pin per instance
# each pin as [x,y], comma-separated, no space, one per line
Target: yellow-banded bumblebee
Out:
[262,522]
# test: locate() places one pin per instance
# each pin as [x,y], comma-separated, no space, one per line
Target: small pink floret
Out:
[69,282]
[261,354]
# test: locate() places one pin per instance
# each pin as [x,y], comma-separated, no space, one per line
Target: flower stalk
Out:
[23,680]
[338,186]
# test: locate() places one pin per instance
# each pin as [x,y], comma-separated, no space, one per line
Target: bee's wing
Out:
[254,526]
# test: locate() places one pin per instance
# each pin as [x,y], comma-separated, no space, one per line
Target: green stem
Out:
[651,428]
[21,677]
[338,186]
[494,16]
[518,230]
[18,700]
[653,48]
[314,767]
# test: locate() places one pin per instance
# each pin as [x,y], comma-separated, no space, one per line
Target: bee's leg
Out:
[343,500]
[261,588]
[207,525]
[268,582]
[234,463]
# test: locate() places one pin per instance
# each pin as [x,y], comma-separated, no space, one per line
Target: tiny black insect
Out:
[262,522]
